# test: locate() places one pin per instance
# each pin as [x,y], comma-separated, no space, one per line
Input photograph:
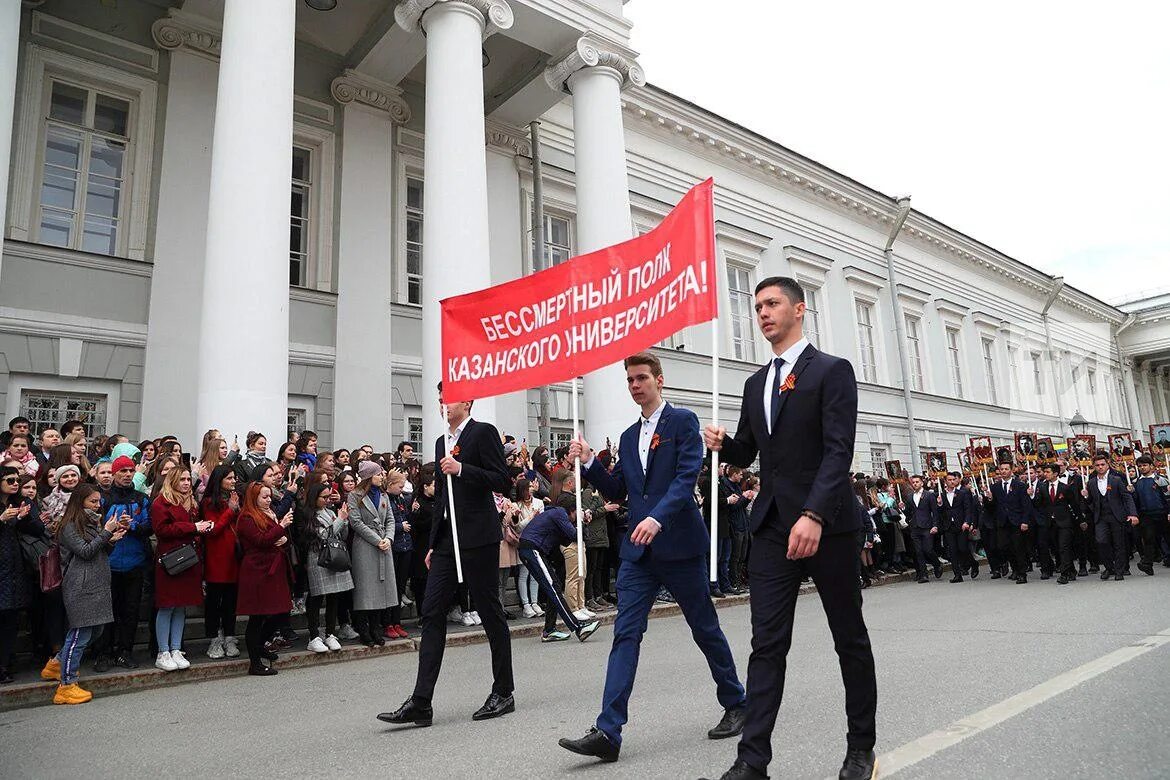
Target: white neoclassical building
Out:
[242,214]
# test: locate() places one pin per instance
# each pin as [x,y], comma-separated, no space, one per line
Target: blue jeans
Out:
[168,627]
[76,640]
[528,587]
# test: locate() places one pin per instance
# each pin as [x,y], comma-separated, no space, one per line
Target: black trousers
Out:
[8,624]
[1064,548]
[126,590]
[923,550]
[775,582]
[740,542]
[259,628]
[46,616]
[1019,550]
[959,551]
[1044,551]
[480,573]
[313,614]
[219,605]
[996,543]
[596,573]
[1111,541]
[402,561]
[1150,528]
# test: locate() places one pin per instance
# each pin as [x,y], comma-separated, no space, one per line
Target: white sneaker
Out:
[317,645]
[589,613]
[539,610]
[347,632]
[581,615]
[475,617]
[180,659]
[165,663]
[456,616]
[529,611]
[467,619]
[332,643]
[215,650]
[231,647]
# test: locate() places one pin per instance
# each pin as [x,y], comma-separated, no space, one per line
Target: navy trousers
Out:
[637,585]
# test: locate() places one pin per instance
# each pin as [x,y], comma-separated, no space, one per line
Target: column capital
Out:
[594,51]
[182,30]
[497,14]
[507,139]
[354,87]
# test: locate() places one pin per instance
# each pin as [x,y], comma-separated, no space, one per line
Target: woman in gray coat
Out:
[372,562]
[85,588]
[321,525]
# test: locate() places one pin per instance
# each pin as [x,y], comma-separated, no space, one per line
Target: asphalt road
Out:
[1088,672]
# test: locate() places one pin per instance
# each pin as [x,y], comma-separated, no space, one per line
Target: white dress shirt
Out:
[453,440]
[771,381]
[649,426]
[1103,484]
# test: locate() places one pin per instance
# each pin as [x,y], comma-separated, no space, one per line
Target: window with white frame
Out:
[1014,374]
[955,361]
[414,238]
[989,369]
[1092,387]
[560,437]
[812,323]
[742,307]
[865,341]
[414,433]
[52,409]
[878,455]
[914,348]
[298,420]
[558,241]
[83,193]
[1122,402]
[1037,375]
[300,223]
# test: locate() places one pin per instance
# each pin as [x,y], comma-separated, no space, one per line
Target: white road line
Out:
[926,746]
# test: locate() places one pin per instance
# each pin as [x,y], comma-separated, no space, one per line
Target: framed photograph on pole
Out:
[1026,447]
[981,452]
[1081,449]
[1121,447]
[1045,452]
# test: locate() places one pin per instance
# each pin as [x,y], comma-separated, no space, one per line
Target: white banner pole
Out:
[451,502]
[577,486]
[715,455]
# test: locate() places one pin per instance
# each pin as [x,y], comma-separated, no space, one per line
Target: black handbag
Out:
[31,549]
[333,555]
[179,560]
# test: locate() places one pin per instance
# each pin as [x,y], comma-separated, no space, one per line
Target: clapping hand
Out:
[203,526]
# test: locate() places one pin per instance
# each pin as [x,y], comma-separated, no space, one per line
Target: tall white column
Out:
[1129,385]
[1160,391]
[362,375]
[456,252]
[243,355]
[169,396]
[9,46]
[595,73]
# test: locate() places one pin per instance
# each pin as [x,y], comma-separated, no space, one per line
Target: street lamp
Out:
[1079,424]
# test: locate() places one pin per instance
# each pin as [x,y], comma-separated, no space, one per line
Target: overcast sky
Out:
[1038,128]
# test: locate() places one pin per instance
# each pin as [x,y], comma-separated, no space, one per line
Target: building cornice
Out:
[796,255]
[510,140]
[591,51]
[354,87]
[497,14]
[863,278]
[183,30]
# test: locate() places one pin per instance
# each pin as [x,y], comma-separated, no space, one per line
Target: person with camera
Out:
[264,593]
[175,518]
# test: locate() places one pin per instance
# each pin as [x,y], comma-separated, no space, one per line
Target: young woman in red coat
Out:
[264,593]
[174,515]
[221,567]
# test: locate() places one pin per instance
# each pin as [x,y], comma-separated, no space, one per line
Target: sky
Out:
[1041,129]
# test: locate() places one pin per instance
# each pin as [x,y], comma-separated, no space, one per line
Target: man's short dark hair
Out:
[1100,456]
[645,359]
[15,421]
[954,474]
[1049,467]
[1145,460]
[789,286]
[403,445]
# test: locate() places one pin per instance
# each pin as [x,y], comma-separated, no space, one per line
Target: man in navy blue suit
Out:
[1008,498]
[658,468]
[924,527]
[799,413]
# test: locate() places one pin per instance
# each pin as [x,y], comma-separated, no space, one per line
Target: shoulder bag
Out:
[333,556]
[179,560]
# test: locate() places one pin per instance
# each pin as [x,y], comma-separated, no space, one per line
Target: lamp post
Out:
[1079,424]
[900,329]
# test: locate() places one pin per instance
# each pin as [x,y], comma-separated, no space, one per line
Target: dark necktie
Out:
[776,392]
[1054,494]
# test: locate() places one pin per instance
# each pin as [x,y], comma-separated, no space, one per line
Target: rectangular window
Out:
[1037,375]
[298,420]
[865,342]
[812,322]
[989,370]
[558,245]
[300,220]
[1014,374]
[414,434]
[50,409]
[914,348]
[1092,382]
[955,359]
[83,173]
[878,455]
[414,239]
[561,437]
[742,300]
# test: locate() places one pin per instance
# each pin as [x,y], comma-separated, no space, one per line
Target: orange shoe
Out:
[71,694]
[52,670]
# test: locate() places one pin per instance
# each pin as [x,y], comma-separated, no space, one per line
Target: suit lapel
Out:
[629,447]
[797,370]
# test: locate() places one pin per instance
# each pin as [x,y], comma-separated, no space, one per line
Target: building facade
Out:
[243,215]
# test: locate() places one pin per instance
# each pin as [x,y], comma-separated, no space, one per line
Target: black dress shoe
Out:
[717,594]
[730,725]
[974,572]
[741,771]
[260,670]
[995,575]
[1146,568]
[6,677]
[858,765]
[1022,579]
[1083,572]
[1094,569]
[411,712]
[937,571]
[956,578]
[1063,580]
[126,662]
[922,580]
[1106,574]
[1118,577]
[102,664]
[495,706]
[594,743]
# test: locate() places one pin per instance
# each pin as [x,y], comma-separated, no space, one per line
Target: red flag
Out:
[586,313]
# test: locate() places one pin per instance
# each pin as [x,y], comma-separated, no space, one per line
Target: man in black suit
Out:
[957,516]
[1112,507]
[923,515]
[1058,505]
[1084,534]
[477,470]
[1013,509]
[799,413]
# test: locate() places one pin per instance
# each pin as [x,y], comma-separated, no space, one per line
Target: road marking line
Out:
[926,746]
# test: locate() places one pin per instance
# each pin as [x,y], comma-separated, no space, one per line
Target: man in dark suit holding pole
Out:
[476,469]
[799,413]
[957,516]
[1112,507]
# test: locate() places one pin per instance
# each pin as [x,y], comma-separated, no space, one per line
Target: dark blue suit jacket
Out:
[1014,508]
[1117,498]
[665,492]
[962,511]
[805,461]
[924,516]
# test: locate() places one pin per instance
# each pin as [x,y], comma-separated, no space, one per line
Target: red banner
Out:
[586,313]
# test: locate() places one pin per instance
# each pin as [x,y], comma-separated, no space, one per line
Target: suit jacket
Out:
[924,514]
[481,455]
[1065,512]
[665,492]
[805,461]
[963,510]
[1012,508]
[1116,505]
